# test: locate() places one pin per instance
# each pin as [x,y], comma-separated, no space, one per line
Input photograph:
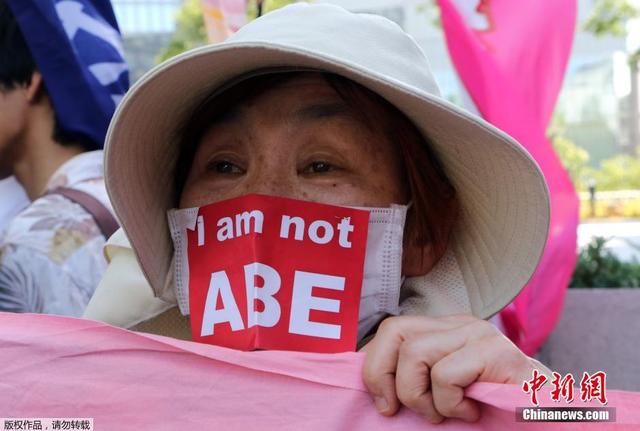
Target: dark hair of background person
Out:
[434,207]
[16,69]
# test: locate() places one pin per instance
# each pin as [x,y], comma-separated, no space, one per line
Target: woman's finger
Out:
[416,359]
[413,380]
[450,376]
[379,371]
[493,359]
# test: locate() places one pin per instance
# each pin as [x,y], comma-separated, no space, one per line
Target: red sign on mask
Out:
[276,273]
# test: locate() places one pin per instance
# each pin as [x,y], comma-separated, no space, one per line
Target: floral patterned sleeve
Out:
[50,259]
[30,282]
[16,284]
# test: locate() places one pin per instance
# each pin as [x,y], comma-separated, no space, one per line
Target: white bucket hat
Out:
[503,197]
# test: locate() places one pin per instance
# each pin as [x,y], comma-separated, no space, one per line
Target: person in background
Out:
[14,199]
[54,112]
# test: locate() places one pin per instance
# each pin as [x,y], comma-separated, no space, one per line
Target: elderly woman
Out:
[319,104]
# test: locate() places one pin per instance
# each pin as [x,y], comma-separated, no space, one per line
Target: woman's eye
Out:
[319,167]
[224,167]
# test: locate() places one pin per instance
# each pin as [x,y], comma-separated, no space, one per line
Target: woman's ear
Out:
[418,260]
[35,89]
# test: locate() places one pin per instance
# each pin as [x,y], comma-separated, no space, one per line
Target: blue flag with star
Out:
[77,47]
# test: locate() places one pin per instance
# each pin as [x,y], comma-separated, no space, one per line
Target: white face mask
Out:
[382,276]
[382,267]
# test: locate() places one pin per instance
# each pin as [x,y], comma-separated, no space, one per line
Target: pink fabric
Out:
[512,60]
[222,18]
[65,367]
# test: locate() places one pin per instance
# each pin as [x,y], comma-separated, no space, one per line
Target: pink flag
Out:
[223,18]
[60,367]
[511,56]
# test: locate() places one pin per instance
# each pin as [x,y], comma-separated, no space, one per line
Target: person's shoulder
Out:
[49,224]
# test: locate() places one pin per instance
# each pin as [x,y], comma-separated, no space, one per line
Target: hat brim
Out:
[504,202]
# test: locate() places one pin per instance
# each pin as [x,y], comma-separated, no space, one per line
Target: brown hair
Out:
[434,210]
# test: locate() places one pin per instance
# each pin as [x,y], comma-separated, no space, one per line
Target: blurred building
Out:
[594,101]
[593,105]
[595,96]
[146,26]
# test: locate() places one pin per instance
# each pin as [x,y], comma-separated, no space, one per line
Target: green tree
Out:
[621,172]
[431,9]
[575,160]
[190,31]
[598,267]
[268,6]
[608,17]
[618,173]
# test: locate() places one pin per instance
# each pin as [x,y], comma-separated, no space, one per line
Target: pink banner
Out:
[512,56]
[65,367]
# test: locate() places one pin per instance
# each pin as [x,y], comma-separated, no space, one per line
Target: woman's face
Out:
[298,140]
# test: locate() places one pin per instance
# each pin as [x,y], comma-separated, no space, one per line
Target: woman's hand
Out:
[426,363]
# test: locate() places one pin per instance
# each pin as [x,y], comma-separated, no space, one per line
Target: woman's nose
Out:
[272,169]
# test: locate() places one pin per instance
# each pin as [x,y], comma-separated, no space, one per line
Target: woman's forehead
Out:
[295,88]
[300,97]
